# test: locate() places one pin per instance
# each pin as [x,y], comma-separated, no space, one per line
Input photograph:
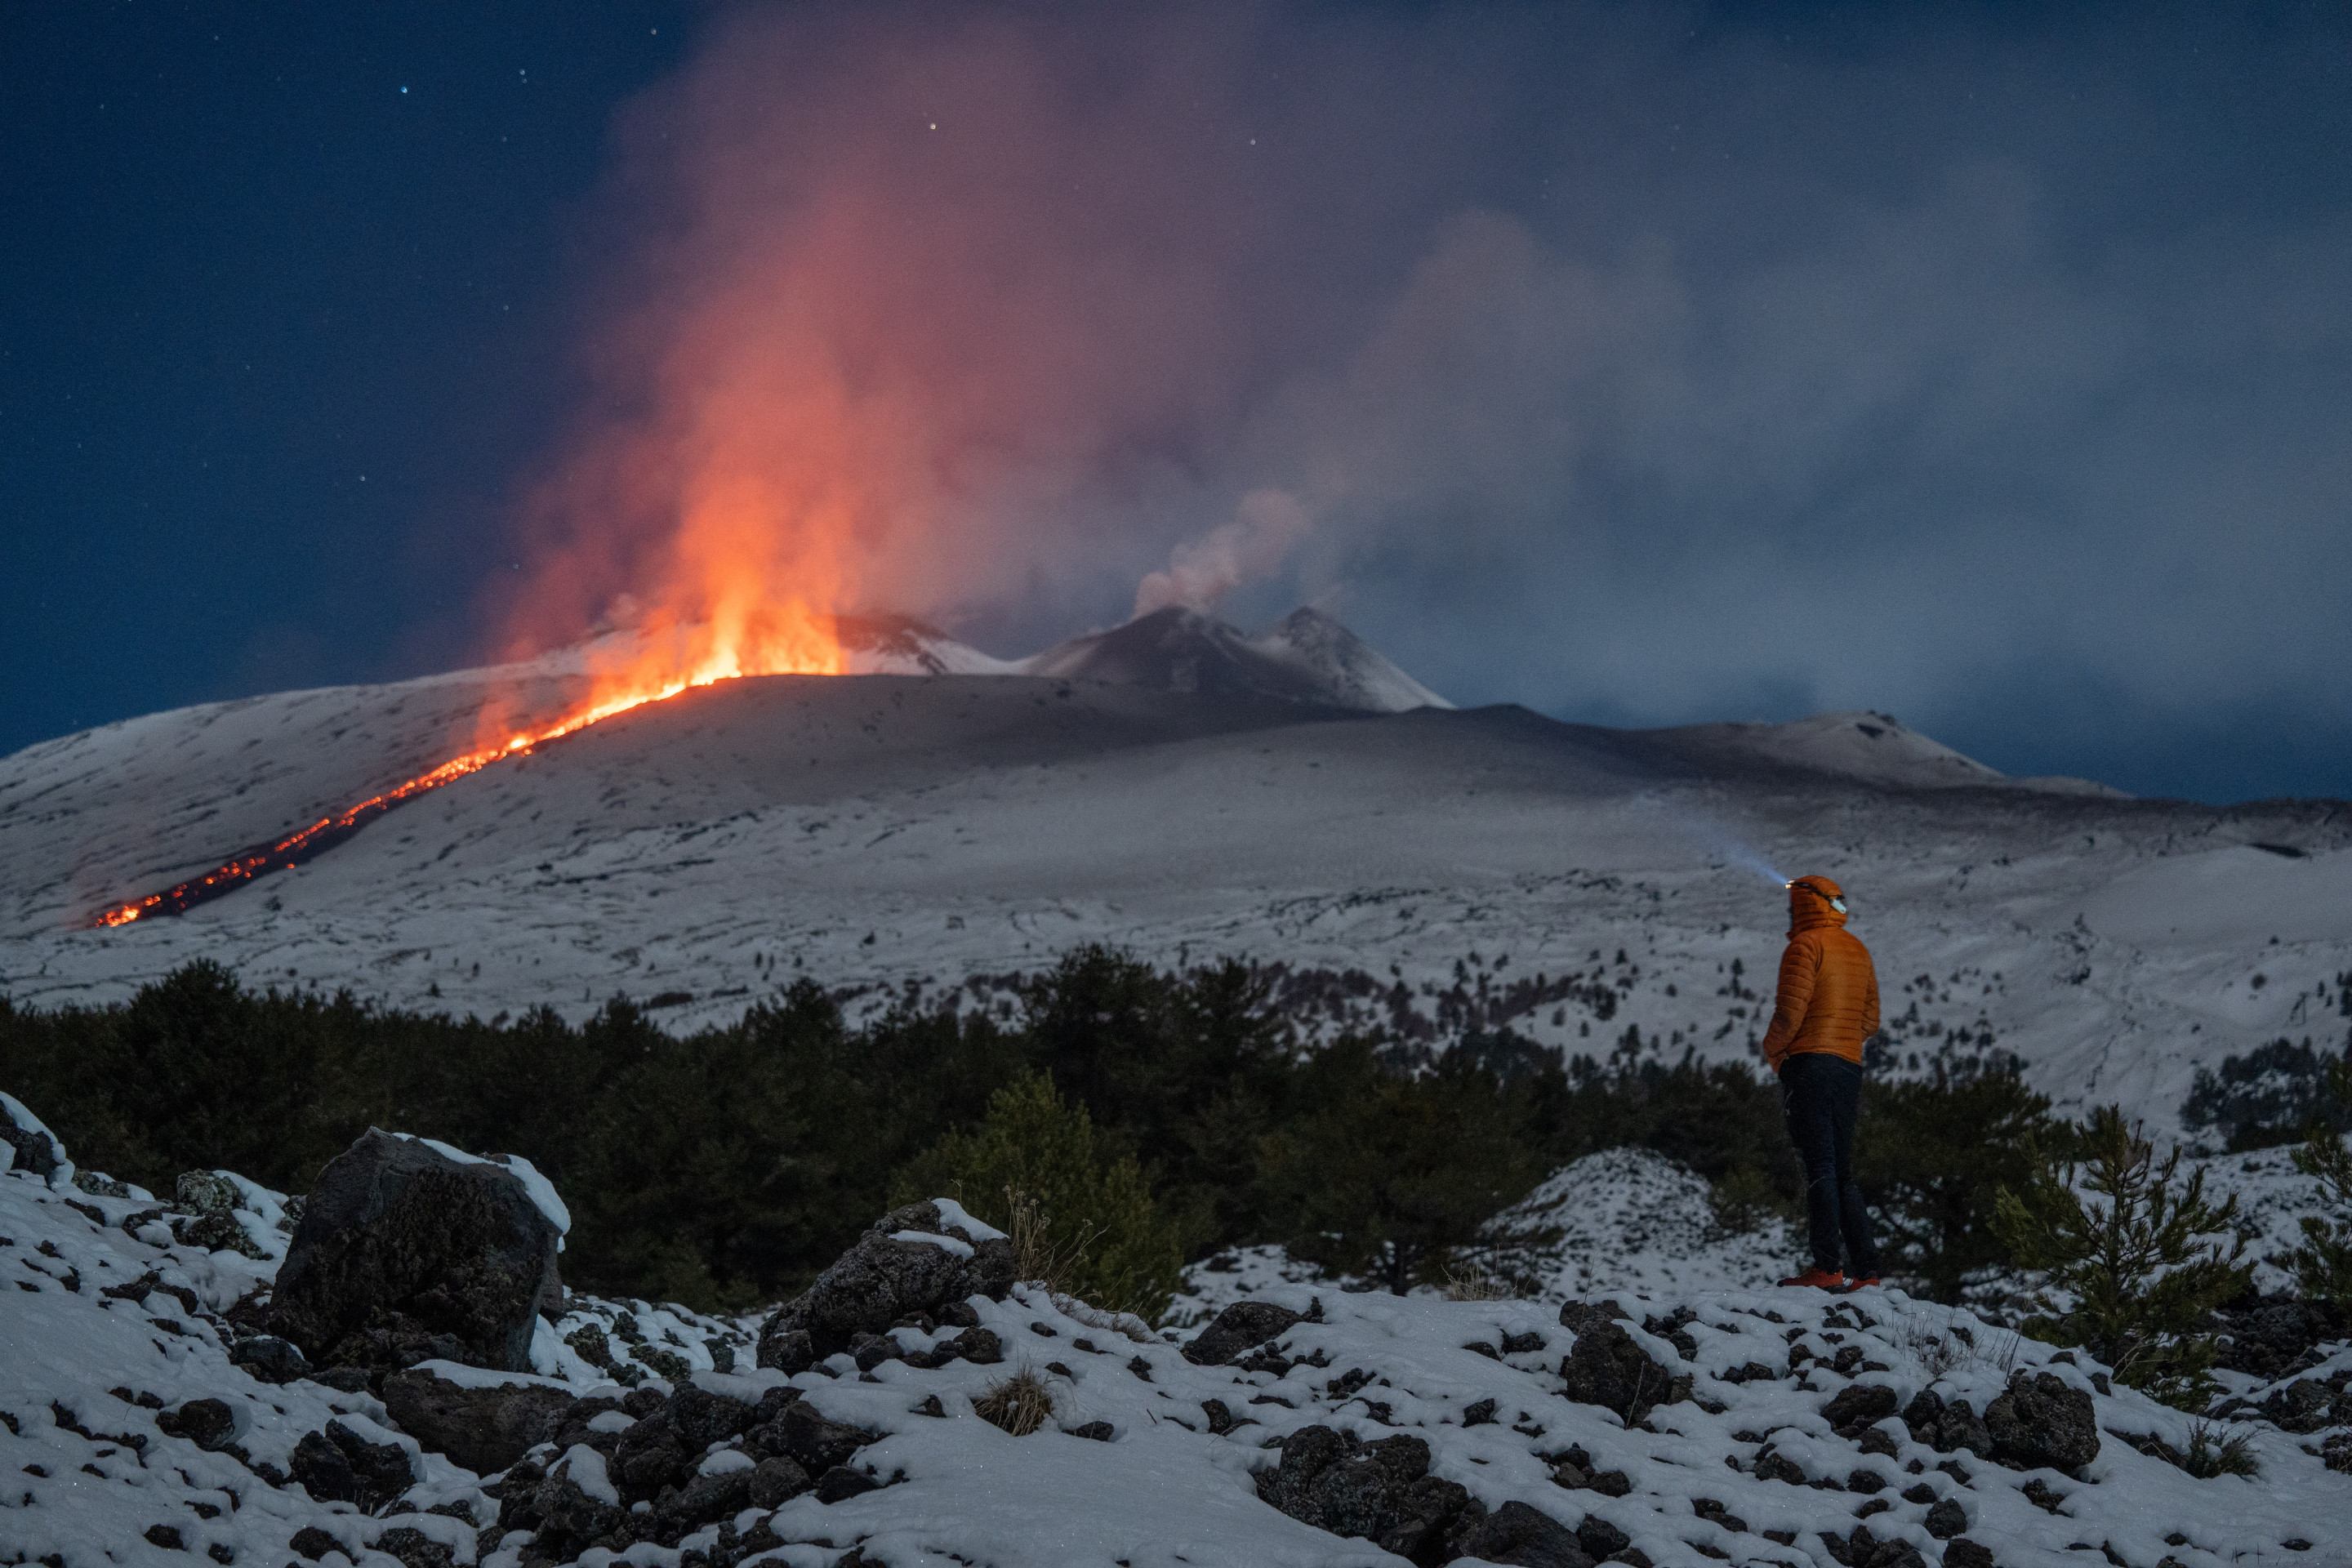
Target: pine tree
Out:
[1079,1209]
[2323,1264]
[2135,1261]
[1399,1174]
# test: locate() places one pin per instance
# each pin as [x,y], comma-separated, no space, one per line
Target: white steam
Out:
[1266,528]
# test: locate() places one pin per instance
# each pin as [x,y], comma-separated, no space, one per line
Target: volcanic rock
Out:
[208,1204]
[1380,1492]
[1607,1367]
[1243,1326]
[2041,1421]
[484,1430]
[412,1548]
[1523,1537]
[894,1271]
[35,1149]
[404,1255]
[209,1424]
[340,1466]
[1947,1427]
[1859,1405]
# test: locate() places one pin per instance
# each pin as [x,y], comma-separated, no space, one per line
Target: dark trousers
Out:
[1821,1095]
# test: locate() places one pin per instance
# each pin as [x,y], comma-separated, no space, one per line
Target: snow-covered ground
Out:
[885,830]
[114,1325]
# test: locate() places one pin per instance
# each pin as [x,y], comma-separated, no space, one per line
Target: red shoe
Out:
[1818,1279]
[1864,1283]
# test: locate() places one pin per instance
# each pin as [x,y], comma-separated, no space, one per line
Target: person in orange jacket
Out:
[1827,1007]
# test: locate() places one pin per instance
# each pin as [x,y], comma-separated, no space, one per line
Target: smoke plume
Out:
[1597,396]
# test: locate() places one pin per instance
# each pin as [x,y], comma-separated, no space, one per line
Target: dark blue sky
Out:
[1991,366]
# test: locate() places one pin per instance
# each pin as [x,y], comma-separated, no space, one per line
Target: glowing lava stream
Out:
[329,831]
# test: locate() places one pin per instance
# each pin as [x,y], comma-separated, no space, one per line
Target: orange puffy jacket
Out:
[1829,991]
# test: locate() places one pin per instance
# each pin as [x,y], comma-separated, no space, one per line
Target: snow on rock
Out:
[1769,1427]
[408,1249]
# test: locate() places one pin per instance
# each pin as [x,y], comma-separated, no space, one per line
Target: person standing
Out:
[1827,1007]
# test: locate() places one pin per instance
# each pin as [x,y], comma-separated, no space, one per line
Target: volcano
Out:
[1181,789]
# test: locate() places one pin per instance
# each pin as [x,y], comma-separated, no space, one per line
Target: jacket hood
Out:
[1808,904]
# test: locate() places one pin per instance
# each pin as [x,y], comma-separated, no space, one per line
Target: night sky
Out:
[1989,366]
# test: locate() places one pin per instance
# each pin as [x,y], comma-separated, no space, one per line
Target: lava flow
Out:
[796,643]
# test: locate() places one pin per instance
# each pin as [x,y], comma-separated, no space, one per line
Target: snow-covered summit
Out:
[1306,657]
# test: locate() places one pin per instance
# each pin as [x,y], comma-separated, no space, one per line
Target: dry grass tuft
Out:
[1035,1255]
[1019,1404]
[1473,1282]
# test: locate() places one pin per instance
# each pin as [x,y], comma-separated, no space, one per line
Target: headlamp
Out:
[1837,904]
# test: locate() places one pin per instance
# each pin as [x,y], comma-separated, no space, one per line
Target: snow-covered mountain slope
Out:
[1670,1429]
[1872,747]
[1306,657]
[1570,881]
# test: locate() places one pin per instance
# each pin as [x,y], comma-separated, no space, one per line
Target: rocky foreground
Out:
[390,1371]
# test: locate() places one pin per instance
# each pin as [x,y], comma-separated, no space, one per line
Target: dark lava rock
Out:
[412,1548]
[1946,1518]
[2040,1421]
[2270,1336]
[650,1455]
[484,1430]
[777,1481]
[568,1521]
[2306,1405]
[311,1544]
[1523,1537]
[1481,1414]
[1966,1553]
[1243,1326]
[1600,1538]
[1859,1405]
[340,1466]
[1608,1368]
[166,1537]
[208,1423]
[36,1151]
[1863,1550]
[1380,1491]
[878,1281]
[808,1439]
[1947,1427]
[705,1499]
[703,1417]
[842,1483]
[404,1255]
[1093,1431]
[270,1359]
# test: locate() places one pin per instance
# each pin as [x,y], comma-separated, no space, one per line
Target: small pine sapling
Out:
[2135,1260]
[2323,1264]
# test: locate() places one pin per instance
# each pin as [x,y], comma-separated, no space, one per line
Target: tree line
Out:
[1146,1117]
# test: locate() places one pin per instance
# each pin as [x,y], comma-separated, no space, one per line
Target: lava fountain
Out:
[661,662]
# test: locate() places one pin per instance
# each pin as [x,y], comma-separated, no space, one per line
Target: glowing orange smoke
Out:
[667,658]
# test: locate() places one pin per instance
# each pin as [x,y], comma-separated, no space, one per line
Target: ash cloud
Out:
[1639,367]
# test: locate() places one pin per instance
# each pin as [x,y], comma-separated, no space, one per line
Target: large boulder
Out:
[2040,1421]
[484,1427]
[915,1262]
[406,1255]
